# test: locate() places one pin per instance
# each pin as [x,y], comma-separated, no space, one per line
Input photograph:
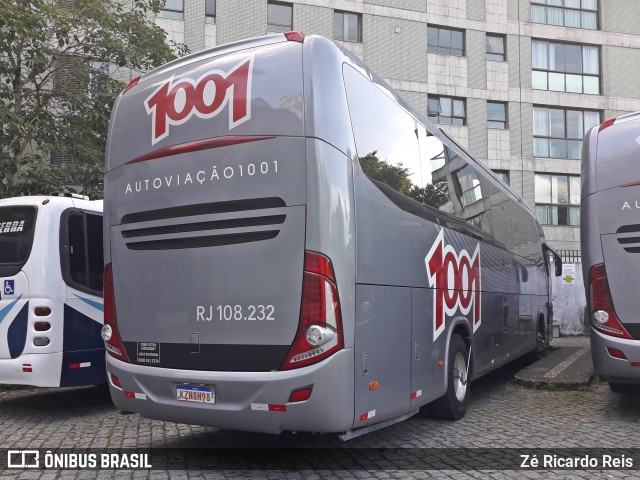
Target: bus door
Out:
[17,226]
[82,265]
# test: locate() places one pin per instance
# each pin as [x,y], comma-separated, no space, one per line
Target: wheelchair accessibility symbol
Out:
[9,287]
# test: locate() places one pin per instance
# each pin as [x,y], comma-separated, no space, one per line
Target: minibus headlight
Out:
[106,332]
[600,316]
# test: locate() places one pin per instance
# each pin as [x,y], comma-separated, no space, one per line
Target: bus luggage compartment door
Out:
[383,353]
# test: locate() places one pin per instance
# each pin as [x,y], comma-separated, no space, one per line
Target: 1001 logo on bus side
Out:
[455,279]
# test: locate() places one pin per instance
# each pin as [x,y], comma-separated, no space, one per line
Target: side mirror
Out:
[557,260]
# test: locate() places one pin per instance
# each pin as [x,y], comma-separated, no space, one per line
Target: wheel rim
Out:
[460,376]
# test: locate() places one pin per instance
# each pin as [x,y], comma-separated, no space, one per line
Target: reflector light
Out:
[277,408]
[607,124]
[41,341]
[116,381]
[131,84]
[41,326]
[114,344]
[26,368]
[294,36]
[616,353]
[42,311]
[319,332]
[600,302]
[45,201]
[373,385]
[73,366]
[300,395]
[130,394]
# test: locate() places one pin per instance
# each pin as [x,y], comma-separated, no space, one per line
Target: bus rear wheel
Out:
[453,405]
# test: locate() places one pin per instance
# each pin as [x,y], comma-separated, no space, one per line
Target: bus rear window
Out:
[17,225]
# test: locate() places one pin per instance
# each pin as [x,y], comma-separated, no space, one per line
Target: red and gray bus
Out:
[610,238]
[291,246]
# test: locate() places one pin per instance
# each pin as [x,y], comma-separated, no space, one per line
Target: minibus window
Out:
[17,225]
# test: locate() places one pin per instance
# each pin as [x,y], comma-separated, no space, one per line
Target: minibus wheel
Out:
[453,405]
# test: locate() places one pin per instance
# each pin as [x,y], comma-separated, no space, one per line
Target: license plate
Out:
[196,393]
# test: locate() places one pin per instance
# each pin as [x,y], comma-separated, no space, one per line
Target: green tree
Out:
[399,178]
[53,99]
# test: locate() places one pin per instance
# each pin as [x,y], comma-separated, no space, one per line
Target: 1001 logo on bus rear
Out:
[174,102]
[455,279]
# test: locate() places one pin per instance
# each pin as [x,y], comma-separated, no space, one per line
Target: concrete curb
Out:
[564,368]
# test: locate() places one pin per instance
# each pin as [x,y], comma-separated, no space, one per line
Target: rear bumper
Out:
[37,369]
[242,398]
[615,369]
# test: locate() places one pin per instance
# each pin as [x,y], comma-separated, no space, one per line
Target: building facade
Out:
[517,82]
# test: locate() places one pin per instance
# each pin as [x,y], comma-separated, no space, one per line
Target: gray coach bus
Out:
[290,246]
[610,237]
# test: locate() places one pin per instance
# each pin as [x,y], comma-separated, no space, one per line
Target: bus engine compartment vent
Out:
[631,244]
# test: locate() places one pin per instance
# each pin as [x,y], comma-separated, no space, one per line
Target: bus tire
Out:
[453,405]
[542,342]
[622,387]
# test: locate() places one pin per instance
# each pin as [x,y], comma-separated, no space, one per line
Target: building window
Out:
[172,9]
[497,115]
[447,110]
[495,48]
[445,40]
[279,17]
[469,184]
[503,176]
[557,199]
[565,67]
[210,8]
[558,133]
[347,26]
[566,13]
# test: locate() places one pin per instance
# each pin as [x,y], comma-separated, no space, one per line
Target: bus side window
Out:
[434,155]
[77,254]
[386,135]
[84,254]
[95,258]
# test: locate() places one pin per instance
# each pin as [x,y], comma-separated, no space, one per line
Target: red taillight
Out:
[606,124]
[319,332]
[603,315]
[294,36]
[300,395]
[42,326]
[132,84]
[42,311]
[110,333]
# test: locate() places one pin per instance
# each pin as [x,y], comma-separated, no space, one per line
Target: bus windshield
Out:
[17,224]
